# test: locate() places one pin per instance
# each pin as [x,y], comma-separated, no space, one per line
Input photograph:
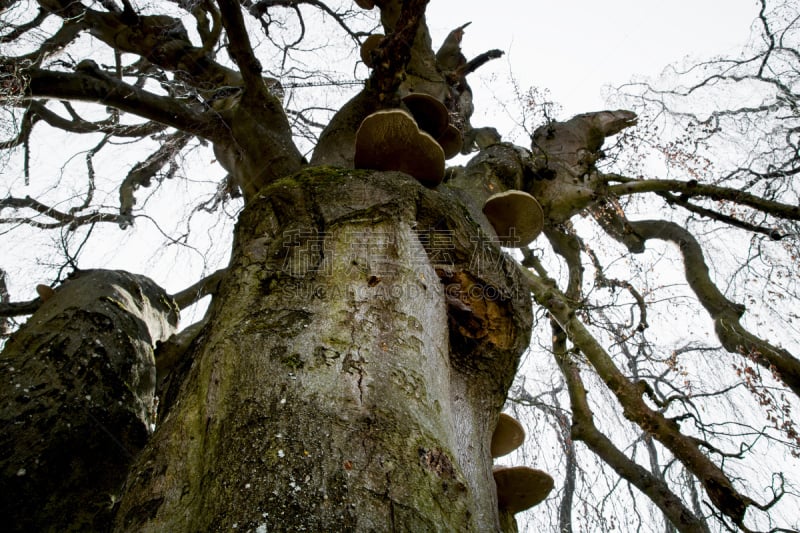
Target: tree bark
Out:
[78,394]
[354,365]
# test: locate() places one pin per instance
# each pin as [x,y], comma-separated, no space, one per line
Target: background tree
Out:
[366,331]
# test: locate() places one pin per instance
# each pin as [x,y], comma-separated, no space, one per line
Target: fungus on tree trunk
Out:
[432,117]
[391,140]
[507,436]
[45,292]
[519,488]
[430,113]
[368,46]
[516,217]
[451,141]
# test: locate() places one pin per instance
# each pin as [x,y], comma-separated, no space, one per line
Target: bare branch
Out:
[89,83]
[585,430]
[718,486]
[79,125]
[19,31]
[721,217]
[60,218]
[691,189]
[142,173]
[240,48]
[726,314]
[199,290]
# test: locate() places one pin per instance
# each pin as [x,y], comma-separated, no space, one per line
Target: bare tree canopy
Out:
[625,285]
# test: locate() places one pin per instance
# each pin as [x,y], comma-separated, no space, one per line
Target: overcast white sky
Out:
[575,47]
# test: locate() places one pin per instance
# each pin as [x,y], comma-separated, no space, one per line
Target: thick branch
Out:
[584,429]
[20,30]
[394,52]
[478,61]
[60,218]
[79,400]
[259,148]
[239,46]
[161,39]
[89,83]
[609,215]
[9,309]
[202,288]
[79,125]
[565,154]
[62,38]
[29,118]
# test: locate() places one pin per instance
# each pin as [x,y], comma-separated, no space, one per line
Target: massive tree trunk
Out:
[355,361]
[361,343]
[359,349]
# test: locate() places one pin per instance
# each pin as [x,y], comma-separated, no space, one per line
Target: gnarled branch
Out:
[726,314]
[89,83]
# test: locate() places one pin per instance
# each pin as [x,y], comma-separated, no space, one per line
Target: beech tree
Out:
[379,307]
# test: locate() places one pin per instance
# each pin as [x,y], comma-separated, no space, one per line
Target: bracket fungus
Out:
[432,117]
[368,46]
[429,112]
[391,140]
[45,292]
[450,141]
[516,216]
[520,488]
[507,436]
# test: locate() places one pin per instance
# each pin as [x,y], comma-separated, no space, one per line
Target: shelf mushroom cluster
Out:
[432,117]
[518,487]
[416,143]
